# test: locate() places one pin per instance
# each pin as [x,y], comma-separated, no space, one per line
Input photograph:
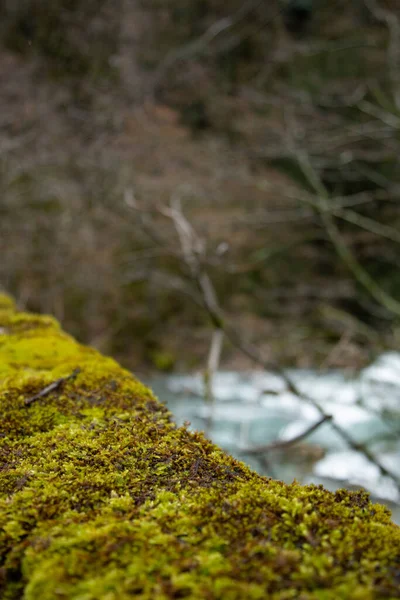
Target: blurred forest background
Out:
[147,144]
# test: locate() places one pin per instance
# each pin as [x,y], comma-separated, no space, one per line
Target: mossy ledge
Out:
[103,497]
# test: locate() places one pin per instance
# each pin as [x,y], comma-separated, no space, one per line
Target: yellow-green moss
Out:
[102,497]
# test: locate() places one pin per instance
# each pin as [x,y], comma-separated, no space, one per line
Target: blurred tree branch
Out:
[193,257]
[322,206]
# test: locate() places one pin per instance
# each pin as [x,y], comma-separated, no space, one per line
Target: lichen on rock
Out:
[103,497]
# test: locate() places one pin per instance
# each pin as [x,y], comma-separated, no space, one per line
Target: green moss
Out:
[6,303]
[102,496]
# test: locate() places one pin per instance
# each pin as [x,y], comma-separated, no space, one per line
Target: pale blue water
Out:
[252,409]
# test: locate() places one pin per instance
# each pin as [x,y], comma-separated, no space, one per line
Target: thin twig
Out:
[283,444]
[199,45]
[212,367]
[391,20]
[252,353]
[337,349]
[351,216]
[52,386]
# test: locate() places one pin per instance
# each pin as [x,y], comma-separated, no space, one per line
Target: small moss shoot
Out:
[103,497]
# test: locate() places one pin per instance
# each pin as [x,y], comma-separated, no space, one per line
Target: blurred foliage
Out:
[204,100]
[77,38]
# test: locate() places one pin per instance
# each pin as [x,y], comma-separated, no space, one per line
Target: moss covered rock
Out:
[103,497]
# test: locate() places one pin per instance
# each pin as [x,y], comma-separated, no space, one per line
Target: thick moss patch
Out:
[103,497]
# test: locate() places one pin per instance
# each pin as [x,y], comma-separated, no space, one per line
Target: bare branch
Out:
[211,304]
[212,367]
[202,43]
[282,445]
[311,175]
[391,20]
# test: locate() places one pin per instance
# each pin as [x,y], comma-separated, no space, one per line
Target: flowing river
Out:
[251,411]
